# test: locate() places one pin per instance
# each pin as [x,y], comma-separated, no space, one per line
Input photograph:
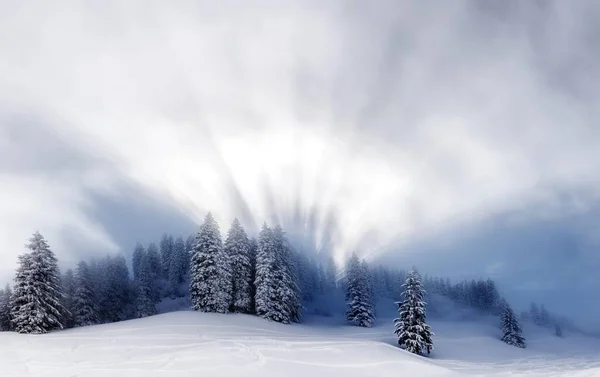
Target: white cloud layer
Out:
[392,118]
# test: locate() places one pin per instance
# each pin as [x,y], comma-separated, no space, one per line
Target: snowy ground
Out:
[195,344]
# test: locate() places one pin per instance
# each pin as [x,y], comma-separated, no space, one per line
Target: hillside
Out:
[194,344]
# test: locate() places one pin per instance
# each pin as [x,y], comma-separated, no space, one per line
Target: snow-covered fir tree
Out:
[36,307]
[268,285]
[252,251]
[166,252]
[85,312]
[138,254]
[118,301]
[68,286]
[210,274]
[5,299]
[154,260]
[413,333]
[145,305]
[359,309]
[237,248]
[177,270]
[288,290]
[511,331]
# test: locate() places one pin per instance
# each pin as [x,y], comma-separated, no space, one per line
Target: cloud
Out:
[361,124]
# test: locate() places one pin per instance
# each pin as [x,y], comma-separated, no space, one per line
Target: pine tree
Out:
[412,331]
[330,276]
[288,291]
[166,252]
[36,305]
[5,299]
[138,255]
[534,314]
[145,306]
[68,287]
[511,331]
[85,312]
[558,331]
[237,248]
[119,297]
[268,304]
[154,260]
[210,280]
[252,251]
[177,270]
[359,310]
[544,317]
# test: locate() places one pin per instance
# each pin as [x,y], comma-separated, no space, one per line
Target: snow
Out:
[193,344]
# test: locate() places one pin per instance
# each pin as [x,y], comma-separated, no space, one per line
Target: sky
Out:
[458,136]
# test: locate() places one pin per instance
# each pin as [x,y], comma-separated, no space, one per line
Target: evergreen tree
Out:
[252,251]
[534,314]
[359,310]
[558,331]
[544,317]
[412,331]
[166,252]
[210,285]
[288,291]
[118,299]
[177,270]
[85,312]
[68,287]
[330,276]
[5,299]
[36,305]
[269,304]
[511,331]
[237,248]
[138,255]
[154,260]
[145,306]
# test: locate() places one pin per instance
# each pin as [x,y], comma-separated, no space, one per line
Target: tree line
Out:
[264,276]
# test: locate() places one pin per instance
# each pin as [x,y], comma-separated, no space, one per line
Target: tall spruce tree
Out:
[210,274]
[68,287]
[288,290]
[237,247]
[85,312]
[252,250]
[36,305]
[413,333]
[136,260]
[534,314]
[359,310]
[177,270]
[166,253]
[268,300]
[511,331]
[5,299]
[145,305]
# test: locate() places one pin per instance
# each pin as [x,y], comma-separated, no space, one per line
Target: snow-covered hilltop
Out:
[192,344]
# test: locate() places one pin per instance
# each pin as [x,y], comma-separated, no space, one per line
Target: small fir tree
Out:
[413,333]
[359,310]
[511,331]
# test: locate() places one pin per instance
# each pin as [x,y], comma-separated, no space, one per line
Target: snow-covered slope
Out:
[197,344]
